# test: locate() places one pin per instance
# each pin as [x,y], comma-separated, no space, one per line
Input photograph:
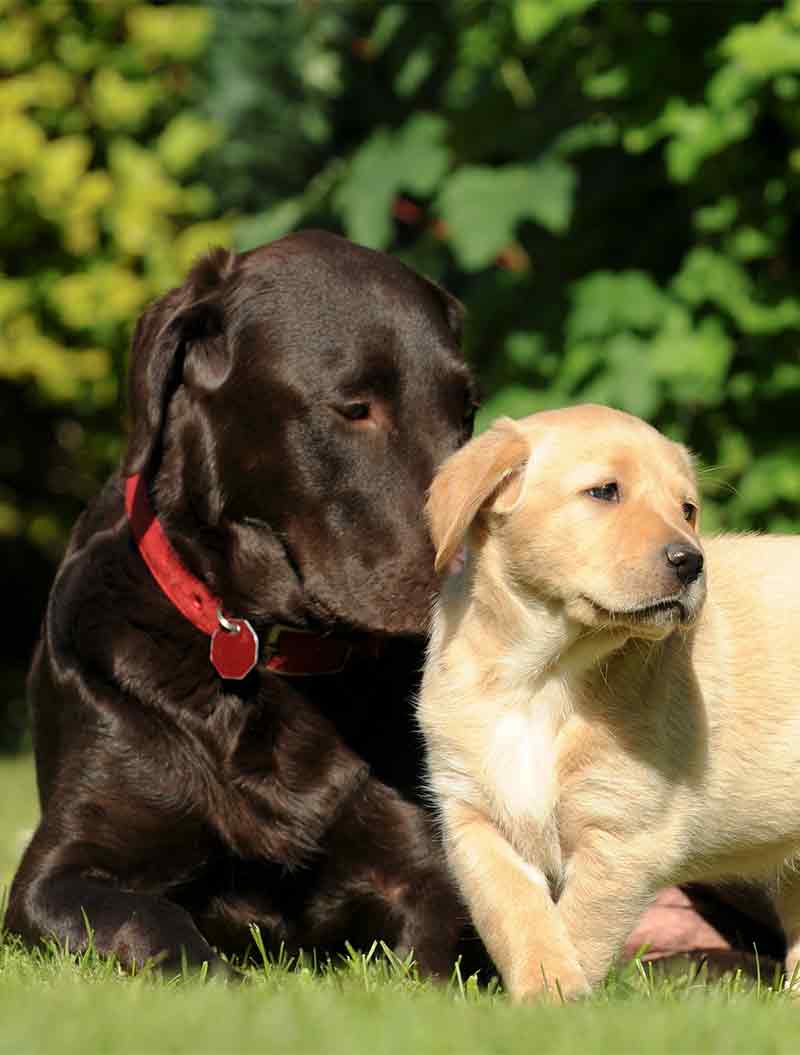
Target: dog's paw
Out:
[791,975]
[555,984]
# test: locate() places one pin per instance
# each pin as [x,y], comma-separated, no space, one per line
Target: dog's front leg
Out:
[512,908]
[787,905]
[49,900]
[606,892]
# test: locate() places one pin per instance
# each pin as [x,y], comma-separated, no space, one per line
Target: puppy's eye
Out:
[355,411]
[690,513]
[605,492]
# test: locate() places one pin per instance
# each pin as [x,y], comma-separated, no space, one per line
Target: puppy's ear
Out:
[485,474]
[189,317]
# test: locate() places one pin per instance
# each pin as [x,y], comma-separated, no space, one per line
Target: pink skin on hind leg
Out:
[673,925]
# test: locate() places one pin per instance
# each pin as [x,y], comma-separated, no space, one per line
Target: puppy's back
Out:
[754,589]
[747,663]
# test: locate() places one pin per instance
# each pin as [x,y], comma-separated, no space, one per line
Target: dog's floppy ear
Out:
[454,311]
[189,316]
[486,473]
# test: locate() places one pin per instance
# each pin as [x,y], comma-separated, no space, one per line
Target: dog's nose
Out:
[686,560]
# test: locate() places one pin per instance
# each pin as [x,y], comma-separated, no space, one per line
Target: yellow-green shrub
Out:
[98,140]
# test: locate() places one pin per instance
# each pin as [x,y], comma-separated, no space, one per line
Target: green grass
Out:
[371,1003]
[18,812]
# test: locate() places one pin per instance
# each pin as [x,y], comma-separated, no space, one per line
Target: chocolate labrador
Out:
[222,692]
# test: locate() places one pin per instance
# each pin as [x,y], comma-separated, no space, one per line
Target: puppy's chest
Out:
[540,772]
[520,767]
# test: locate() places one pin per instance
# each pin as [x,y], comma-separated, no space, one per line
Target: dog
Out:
[222,693]
[597,727]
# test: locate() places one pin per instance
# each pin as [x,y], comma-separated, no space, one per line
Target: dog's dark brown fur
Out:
[289,407]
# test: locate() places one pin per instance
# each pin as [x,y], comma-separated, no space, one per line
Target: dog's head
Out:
[289,406]
[587,507]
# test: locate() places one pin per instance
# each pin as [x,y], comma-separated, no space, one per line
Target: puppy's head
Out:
[587,507]
[289,406]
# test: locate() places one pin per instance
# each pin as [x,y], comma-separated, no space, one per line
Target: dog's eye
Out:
[690,513]
[605,492]
[355,411]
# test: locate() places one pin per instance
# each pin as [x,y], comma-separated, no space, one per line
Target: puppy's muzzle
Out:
[686,561]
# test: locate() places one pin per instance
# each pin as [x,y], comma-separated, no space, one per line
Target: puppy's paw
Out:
[556,984]
[791,975]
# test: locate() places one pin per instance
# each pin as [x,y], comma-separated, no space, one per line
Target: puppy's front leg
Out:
[787,905]
[606,892]
[512,909]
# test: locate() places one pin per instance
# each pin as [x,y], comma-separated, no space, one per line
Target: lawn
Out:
[371,1004]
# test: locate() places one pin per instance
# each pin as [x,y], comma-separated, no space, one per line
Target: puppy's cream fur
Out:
[596,727]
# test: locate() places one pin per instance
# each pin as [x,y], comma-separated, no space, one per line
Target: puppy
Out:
[596,727]
[222,695]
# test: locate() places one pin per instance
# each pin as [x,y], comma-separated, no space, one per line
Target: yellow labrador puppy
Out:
[597,728]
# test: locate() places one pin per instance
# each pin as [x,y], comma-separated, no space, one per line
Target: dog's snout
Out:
[685,559]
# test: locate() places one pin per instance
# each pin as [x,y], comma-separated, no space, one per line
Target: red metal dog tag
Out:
[234,653]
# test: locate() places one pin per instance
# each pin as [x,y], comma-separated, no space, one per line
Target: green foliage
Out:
[274,68]
[96,218]
[413,159]
[100,210]
[482,206]
[614,191]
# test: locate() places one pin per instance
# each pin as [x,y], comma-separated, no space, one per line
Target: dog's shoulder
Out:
[102,513]
[90,583]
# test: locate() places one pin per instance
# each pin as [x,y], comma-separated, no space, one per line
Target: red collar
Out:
[234,650]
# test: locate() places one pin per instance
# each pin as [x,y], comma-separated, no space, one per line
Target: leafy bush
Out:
[100,210]
[612,188]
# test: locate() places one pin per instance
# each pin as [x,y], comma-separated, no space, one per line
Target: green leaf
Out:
[627,380]
[285,215]
[599,132]
[765,48]
[692,362]
[414,71]
[525,350]
[717,217]
[708,276]
[533,19]
[773,476]
[694,133]
[413,158]
[748,243]
[482,206]
[388,22]
[607,302]
[607,85]
[253,231]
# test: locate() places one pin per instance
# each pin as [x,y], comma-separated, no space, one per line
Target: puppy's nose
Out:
[686,560]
